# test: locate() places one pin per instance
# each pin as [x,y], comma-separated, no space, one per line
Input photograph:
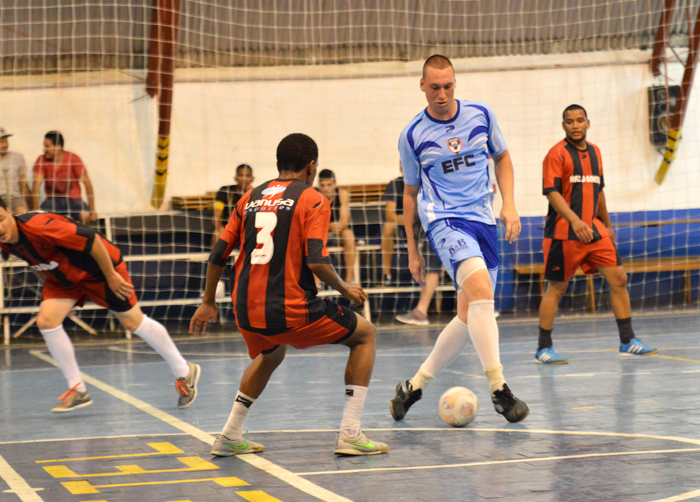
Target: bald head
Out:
[438,62]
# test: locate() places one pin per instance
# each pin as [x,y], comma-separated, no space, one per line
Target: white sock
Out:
[352,415]
[155,335]
[234,425]
[421,379]
[484,332]
[61,349]
[452,340]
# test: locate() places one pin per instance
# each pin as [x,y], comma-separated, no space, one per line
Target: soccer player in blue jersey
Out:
[444,153]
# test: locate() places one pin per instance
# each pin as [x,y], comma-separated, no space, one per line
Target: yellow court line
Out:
[256,461]
[584,408]
[498,462]
[257,496]
[161,448]
[193,463]
[676,358]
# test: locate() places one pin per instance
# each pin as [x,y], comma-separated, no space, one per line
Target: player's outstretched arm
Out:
[503,166]
[328,275]
[115,282]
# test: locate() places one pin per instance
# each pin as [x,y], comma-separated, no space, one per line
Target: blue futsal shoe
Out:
[636,348]
[548,356]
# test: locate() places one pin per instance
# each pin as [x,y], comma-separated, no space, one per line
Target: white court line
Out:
[682,496]
[254,460]
[496,462]
[17,484]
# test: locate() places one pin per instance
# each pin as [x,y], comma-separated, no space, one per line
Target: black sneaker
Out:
[512,408]
[405,397]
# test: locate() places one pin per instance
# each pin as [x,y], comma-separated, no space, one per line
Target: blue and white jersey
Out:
[449,159]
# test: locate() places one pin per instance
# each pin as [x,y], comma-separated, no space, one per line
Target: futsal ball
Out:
[458,406]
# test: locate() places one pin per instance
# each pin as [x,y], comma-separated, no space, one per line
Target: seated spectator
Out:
[62,172]
[340,228]
[228,196]
[393,226]
[13,176]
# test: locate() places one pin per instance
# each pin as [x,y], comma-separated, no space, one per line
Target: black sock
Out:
[545,340]
[625,328]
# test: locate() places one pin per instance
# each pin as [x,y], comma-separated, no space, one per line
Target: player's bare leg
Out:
[388,236]
[347,237]
[620,300]
[155,335]
[52,312]
[231,442]
[358,372]
[548,310]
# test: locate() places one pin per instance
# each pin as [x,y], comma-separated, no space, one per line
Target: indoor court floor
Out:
[600,428]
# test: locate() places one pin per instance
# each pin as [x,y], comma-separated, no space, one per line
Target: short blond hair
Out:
[437,61]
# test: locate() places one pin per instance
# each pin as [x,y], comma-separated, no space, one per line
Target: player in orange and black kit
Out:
[282,228]
[78,264]
[578,232]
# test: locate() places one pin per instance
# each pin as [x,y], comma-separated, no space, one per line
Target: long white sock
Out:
[449,345]
[352,415]
[234,425]
[61,349]
[484,334]
[155,335]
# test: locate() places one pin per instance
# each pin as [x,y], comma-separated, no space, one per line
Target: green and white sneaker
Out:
[225,447]
[360,445]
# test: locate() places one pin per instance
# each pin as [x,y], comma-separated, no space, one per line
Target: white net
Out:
[346,73]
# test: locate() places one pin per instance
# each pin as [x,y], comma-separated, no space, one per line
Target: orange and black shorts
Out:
[563,258]
[337,324]
[96,292]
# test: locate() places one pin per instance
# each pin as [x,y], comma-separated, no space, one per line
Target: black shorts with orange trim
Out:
[97,292]
[337,324]
[563,258]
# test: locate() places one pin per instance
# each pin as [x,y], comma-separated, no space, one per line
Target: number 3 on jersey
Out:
[266,222]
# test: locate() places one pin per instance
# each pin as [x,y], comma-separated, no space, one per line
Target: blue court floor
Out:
[600,428]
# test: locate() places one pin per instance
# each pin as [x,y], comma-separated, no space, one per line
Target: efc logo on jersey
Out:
[455,145]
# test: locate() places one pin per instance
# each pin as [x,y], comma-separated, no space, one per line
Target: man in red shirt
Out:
[578,232]
[78,264]
[282,228]
[62,172]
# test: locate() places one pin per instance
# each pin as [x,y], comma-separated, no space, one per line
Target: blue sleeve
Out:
[409,161]
[497,143]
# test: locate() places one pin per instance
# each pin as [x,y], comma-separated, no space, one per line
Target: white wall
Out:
[356,122]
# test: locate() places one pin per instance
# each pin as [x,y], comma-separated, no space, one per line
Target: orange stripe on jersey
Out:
[279,225]
[578,176]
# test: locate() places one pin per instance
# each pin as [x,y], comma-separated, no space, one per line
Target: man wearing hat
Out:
[13,175]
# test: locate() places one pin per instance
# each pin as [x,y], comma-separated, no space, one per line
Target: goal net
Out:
[346,73]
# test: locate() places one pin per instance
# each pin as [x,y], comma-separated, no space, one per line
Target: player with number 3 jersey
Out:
[282,228]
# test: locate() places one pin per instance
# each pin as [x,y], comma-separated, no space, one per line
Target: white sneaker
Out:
[225,447]
[360,445]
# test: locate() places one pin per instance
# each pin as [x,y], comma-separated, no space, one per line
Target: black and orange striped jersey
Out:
[59,248]
[578,176]
[281,226]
